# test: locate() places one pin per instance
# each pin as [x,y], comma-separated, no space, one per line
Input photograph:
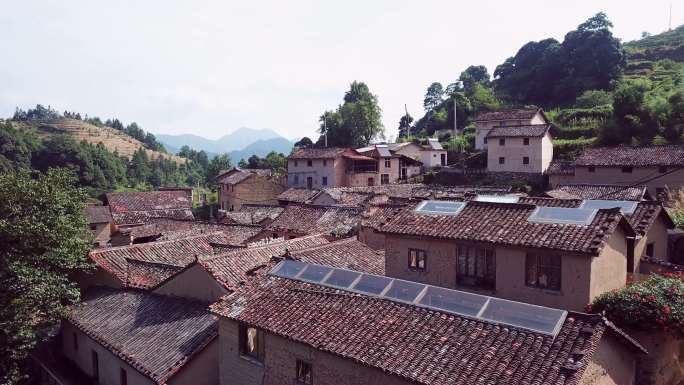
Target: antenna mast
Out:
[408,124]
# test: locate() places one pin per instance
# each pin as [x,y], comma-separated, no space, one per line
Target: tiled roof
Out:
[346,253]
[156,335]
[420,345]
[252,214]
[297,195]
[352,198]
[308,219]
[138,217]
[98,214]
[510,114]
[120,202]
[598,191]
[231,268]
[376,216]
[641,219]
[169,229]
[433,144]
[181,252]
[530,130]
[649,156]
[507,224]
[148,275]
[560,167]
[317,153]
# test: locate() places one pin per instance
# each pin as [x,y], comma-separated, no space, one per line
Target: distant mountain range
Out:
[239,144]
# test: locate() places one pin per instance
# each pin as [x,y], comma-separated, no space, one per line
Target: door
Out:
[443,159]
[96,366]
[371,181]
[309,182]
[403,173]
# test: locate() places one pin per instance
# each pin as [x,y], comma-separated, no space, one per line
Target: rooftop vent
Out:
[440,207]
[627,207]
[537,319]
[563,215]
[497,198]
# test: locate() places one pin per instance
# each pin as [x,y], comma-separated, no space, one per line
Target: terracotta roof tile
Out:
[444,349]
[560,167]
[148,275]
[308,219]
[146,201]
[598,191]
[141,217]
[317,153]
[98,214]
[169,229]
[510,114]
[507,224]
[530,130]
[649,156]
[252,214]
[346,253]
[156,335]
[297,195]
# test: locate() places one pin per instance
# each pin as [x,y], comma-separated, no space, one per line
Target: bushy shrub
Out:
[654,304]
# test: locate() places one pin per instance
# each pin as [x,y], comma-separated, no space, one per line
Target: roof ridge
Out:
[151,244]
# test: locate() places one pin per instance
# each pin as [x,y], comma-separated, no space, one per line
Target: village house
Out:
[121,337]
[159,229]
[249,214]
[130,209]
[657,167]
[519,149]
[372,220]
[486,121]
[298,220]
[430,153]
[238,187]
[296,195]
[311,324]
[100,224]
[599,191]
[398,166]
[550,256]
[315,168]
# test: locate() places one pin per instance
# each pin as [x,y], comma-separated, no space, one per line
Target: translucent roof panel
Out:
[372,284]
[342,278]
[627,207]
[562,215]
[404,290]
[453,301]
[289,269]
[440,207]
[542,319]
[498,198]
[315,273]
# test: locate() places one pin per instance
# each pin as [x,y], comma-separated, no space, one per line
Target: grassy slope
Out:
[113,140]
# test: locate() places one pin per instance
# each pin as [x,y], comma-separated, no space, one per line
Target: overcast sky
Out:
[209,67]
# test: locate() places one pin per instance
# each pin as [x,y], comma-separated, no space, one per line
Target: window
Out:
[526,141]
[384,179]
[274,235]
[417,259]
[296,163]
[371,181]
[296,180]
[75,341]
[543,271]
[325,162]
[649,250]
[96,365]
[123,377]
[309,182]
[93,227]
[324,181]
[309,163]
[251,342]
[526,160]
[476,267]
[304,372]
[485,140]
[627,169]
[502,160]
[592,169]
[502,141]
[662,169]
[388,163]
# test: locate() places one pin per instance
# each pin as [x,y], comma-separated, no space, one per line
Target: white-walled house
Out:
[485,121]
[520,149]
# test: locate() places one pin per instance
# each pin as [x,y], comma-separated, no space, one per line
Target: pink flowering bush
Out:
[656,303]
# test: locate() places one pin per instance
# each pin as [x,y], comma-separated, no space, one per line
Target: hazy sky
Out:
[209,67]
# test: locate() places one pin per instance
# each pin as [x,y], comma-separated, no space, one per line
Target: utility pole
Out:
[325,130]
[669,28]
[455,117]
[408,124]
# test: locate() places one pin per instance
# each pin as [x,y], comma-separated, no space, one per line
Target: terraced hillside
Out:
[643,54]
[112,139]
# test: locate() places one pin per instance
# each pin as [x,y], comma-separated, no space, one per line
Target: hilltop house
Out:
[430,154]
[239,187]
[305,323]
[485,121]
[519,149]
[657,167]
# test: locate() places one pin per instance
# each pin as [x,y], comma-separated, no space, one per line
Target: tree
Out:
[304,142]
[405,125]
[434,96]
[474,75]
[43,240]
[216,165]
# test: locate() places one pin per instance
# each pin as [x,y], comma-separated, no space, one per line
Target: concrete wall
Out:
[558,179]
[432,158]
[194,282]
[392,171]
[360,179]
[371,238]
[333,170]
[614,175]
[279,366]
[579,273]
[109,364]
[254,190]
[203,369]
[539,151]
[612,364]
[657,235]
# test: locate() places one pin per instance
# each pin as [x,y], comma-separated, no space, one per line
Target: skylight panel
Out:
[453,301]
[563,215]
[440,207]
[342,278]
[315,273]
[627,207]
[497,198]
[372,284]
[289,269]
[541,319]
[404,290]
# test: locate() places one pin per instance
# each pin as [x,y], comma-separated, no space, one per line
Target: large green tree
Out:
[43,240]
[433,96]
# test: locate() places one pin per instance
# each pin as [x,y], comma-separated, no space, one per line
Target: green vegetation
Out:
[355,123]
[654,304]
[44,239]
[273,161]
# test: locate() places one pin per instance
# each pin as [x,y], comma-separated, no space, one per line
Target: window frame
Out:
[309,163]
[296,180]
[502,141]
[415,263]
[301,364]
[526,141]
[650,250]
[296,163]
[526,160]
[541,263]
[384,179]
[502,160]
[324,180]
[256,354]
[325,162]
[388,163]
[591,169]
[476,267]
